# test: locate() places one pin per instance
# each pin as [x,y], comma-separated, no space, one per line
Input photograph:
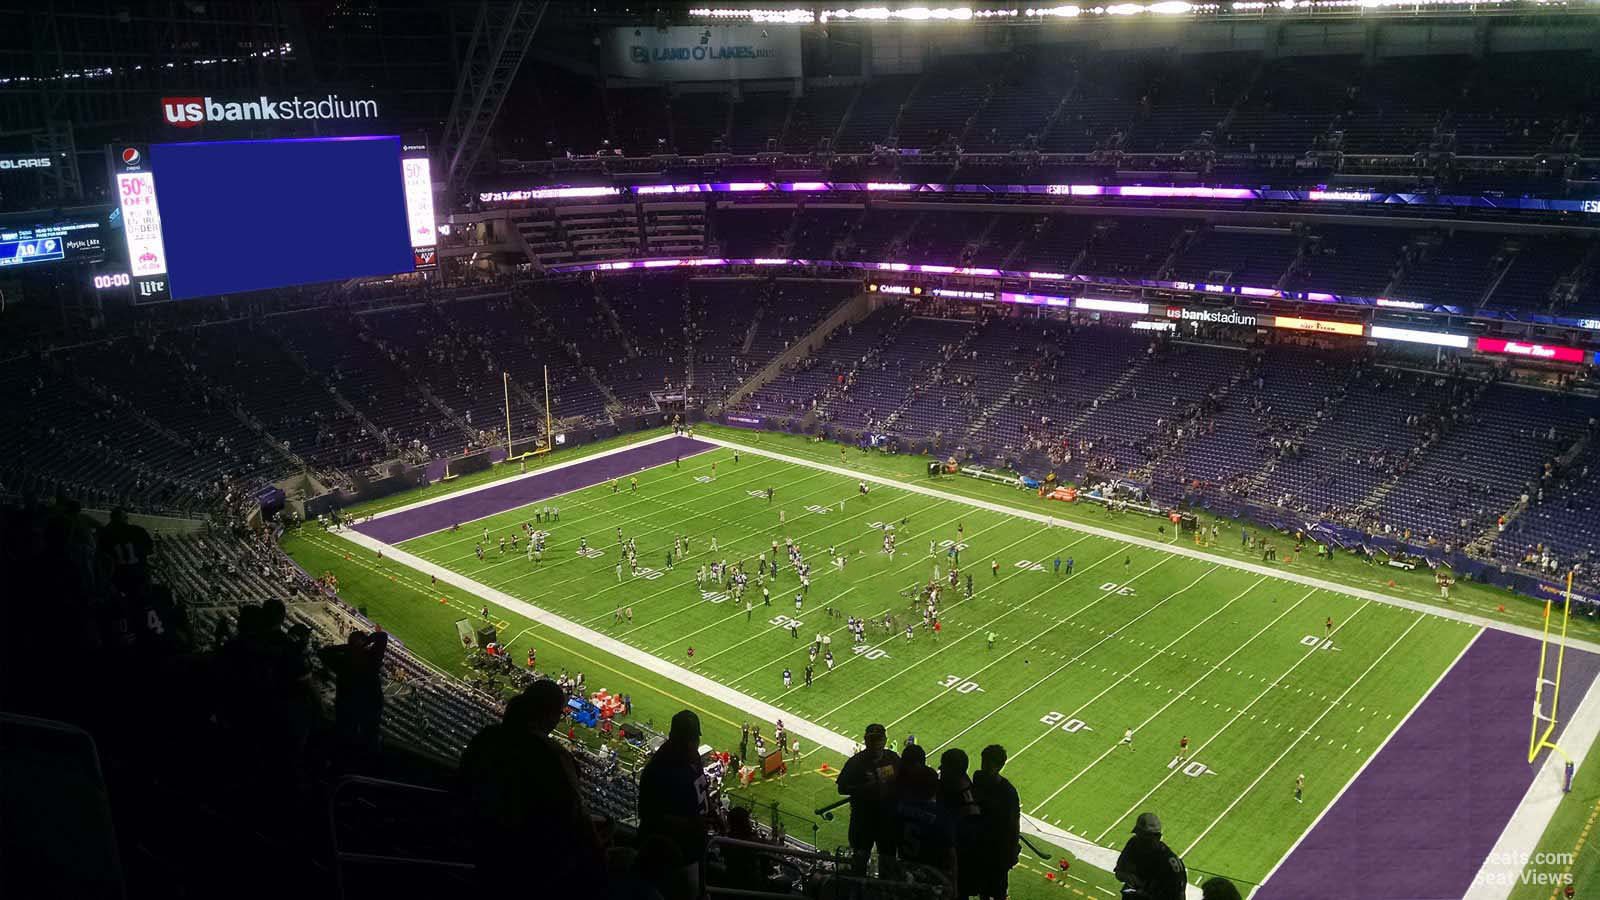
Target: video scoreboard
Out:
[72,239]
[207,218]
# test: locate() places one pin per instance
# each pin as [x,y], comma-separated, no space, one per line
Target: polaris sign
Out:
[24,163]
[715,53]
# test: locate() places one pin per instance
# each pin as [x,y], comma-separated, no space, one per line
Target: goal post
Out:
[1547,716]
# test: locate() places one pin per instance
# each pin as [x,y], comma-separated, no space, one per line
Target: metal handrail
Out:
[928,882]
[341,856]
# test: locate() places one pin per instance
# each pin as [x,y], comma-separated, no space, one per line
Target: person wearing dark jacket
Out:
[1147,868]
[527,807]
[925,833]
[673,802]
[1000,812]
[868,780]
[357,668]
[958,801]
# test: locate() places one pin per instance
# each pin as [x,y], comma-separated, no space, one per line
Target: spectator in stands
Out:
[267,699]
[673,803]
[1147,867]
[357,669]
[925,832]
[128,547]
[528,809]
[868,780]
[743,867]
[957,801]
[1000,811]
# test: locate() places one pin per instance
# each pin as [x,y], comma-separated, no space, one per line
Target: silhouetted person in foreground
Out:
[1147,868]
[522,790]
[958,802]
[868,780]
[357,668]
[925,832]
[1000,811]
[673,803]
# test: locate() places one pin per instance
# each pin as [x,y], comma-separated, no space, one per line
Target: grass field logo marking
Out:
[961,686]
[1312,640]
[1070,726]
[1190,767]
[869,651]
[1028,565]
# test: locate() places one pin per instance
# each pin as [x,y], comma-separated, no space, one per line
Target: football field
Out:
[1057,667]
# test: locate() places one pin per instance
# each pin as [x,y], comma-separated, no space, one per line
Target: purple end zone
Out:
[462,508]
[1420,820]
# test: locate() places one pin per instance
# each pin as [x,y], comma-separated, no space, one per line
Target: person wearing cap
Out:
[1147,867]
[868,780]
[673,802]
[1000,810]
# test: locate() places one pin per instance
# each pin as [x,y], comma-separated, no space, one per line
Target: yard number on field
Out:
[868,651]
[713,596]
[1028,565]
[1070,726]
[962,686]
[1119,590]
[1191,768]
[819,510]
[591,552]
[785,622]
[1312,640]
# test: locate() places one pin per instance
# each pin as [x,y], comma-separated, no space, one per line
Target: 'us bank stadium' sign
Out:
[711,53]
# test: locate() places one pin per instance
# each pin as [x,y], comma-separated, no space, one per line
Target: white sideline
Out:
[1149,544]
[507,480]
[1097,856]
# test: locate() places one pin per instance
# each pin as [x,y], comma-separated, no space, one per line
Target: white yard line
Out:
[1368,761]
[1147,543]
[1301,735]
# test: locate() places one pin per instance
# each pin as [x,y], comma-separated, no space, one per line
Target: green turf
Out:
[406,604]
[1162,644]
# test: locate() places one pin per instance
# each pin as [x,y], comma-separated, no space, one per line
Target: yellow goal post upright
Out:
[1545,720]
[544,445]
